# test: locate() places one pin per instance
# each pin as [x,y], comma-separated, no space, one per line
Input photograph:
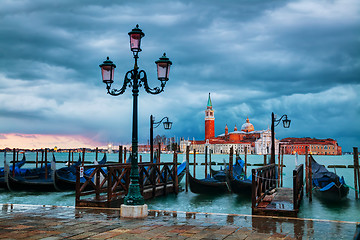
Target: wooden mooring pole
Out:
[282,166]
[206,151]
[124,154]
[176,180]
[306,171]
[83,156]
[231,156]
[42,158]
[210,160]
[46,169]
[194,162]
[96,154]
[14,156]
[187,169]
[69,159]
[159,151]
[310,175]
[356,172]
[265,156]
[120,153]
[279,169]
[37,159]
[245,159]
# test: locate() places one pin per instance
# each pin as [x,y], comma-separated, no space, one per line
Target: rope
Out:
[352,188]
[273,179]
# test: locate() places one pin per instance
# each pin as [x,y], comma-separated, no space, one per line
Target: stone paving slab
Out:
[52,223]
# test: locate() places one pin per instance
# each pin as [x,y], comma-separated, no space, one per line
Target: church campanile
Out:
[209,121]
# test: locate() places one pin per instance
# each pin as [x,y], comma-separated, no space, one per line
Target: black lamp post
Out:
[167,126]
[135,79]
[286,124]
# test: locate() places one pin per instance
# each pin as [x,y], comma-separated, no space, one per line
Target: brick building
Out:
[316,146]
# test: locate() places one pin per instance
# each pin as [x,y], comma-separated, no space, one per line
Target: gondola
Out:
[216,184]
[222,171]
[35,179]
[207,185]
[327,185]
[238,182]
[65,178]
[18,166]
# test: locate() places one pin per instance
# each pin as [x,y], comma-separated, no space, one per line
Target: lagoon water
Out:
[348,210]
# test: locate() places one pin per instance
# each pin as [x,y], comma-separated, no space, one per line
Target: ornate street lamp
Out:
[134,79]
[286,124]
[153,124]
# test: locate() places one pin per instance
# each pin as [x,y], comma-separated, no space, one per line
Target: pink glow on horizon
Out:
[36,141]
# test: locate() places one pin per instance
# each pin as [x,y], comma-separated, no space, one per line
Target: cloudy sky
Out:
[300,58]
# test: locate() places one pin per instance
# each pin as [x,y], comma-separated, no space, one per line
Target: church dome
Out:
[247,127]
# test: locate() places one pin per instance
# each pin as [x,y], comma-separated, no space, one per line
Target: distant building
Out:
[316,146]
[255,142]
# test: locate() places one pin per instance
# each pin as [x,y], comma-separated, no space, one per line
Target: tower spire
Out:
[209,104]
[209,121]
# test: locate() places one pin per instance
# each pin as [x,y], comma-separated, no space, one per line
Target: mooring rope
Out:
[352,188]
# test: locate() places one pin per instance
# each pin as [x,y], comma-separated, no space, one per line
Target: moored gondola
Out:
[217,184]
[65,178]
[36,179]
[327,185]
[207,185]
[17,167]
[239,183]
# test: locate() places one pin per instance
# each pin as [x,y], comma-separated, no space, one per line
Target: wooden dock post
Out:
[96,154]
[37,159]
[210,160]
[42,158]
[120,153]
[14,156]
[310,176]
[231,155]
[265,156]
[279,170]
[282,166]
[83,156]
[306,171]
[159,152]
[124,154]
[46,169]
[245,159]
[69,159]
[176,180]
[187,169]
[194,162]
[356,172]
[206,151]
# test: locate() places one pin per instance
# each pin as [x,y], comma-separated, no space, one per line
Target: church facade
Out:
[247,139]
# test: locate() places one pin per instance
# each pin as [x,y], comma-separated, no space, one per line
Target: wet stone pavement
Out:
[52,222]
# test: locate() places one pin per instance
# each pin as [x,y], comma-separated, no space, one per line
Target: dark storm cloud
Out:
[255,57]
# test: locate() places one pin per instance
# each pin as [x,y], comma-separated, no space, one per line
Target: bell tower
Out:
[209,121]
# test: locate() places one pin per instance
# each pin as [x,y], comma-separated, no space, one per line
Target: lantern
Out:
[286,122]
[135,39]
[107,71]
[167,124]
[163,68]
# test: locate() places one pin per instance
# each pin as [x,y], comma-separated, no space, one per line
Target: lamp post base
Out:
[134,211]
